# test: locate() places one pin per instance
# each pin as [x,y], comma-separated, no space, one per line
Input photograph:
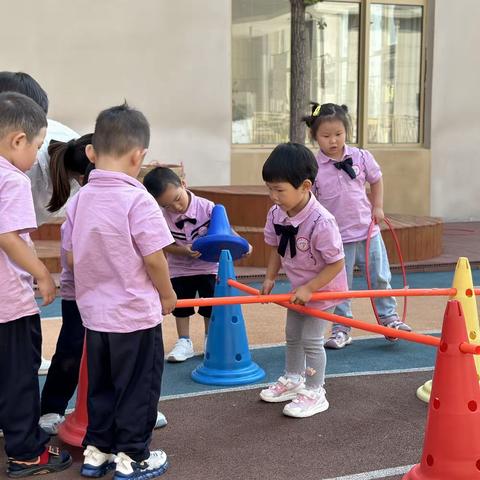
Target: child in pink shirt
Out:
[122,287]
[22,131]
[188,217]
[339,186]
[305,241]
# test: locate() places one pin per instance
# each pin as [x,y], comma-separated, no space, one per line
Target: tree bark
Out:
[298,83]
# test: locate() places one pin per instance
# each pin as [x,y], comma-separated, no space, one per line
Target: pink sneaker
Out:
[307,403]
[281,391]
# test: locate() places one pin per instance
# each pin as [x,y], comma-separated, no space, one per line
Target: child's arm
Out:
[376,197]
[303,294]
[20,253]
[157,268]
[182,250]
[273,267]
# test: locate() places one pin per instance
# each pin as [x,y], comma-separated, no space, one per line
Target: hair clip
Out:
[316,111]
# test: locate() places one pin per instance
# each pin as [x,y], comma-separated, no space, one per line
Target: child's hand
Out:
[47,289]
[378,215]
[191,253]
[168,302]
[250,250]
[267,287]
[301,295]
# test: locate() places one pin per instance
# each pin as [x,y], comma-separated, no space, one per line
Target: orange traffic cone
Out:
[451,449]
[73,429]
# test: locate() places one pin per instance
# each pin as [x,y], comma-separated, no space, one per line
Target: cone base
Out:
[414,473]
[72,431]
[211,246]
[242,376]
[424,392]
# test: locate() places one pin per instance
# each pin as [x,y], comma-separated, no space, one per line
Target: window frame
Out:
[363,71]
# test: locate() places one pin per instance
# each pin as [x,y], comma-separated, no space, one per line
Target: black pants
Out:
[63,373]
[124,380]
[20,347]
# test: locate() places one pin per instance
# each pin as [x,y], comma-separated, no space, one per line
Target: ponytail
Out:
[66,158]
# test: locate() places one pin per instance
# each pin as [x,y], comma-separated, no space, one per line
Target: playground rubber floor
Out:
[373,429]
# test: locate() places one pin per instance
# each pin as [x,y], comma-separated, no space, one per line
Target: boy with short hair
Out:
[122,288]
[22,131]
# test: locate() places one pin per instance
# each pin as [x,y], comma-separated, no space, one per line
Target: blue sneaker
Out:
[96,464]
[154,466]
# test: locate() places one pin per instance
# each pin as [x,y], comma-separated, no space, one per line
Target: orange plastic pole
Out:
[285,297]
[386,331]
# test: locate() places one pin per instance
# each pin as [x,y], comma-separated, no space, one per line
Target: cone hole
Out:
[234,319]
[436,403]
[469,292]
[238,357]
[473,335]
[443,347]
[429,460]
[478,464]
[472,405]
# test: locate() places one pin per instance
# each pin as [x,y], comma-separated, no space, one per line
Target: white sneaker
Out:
[307,403]
[283,390]
[154,466]
[161,420]
[96,463]
[44,366]
[182,350]
[50,422]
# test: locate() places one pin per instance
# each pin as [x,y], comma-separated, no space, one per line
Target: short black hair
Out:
[157,180]
[290,162]
[18,112]
[21,82]
[120,129]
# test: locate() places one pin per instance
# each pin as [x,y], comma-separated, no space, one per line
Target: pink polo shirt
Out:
[67,283]
[318,243]
[114,223]
[199,210]
[17,214]
[345,198]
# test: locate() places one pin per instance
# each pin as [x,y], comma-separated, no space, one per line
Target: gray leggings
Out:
[305,352]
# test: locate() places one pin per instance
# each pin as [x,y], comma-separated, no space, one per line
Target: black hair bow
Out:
[346,165]
[181,223]
[288,233]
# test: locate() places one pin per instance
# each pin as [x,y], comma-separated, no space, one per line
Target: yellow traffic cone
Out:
[463,283]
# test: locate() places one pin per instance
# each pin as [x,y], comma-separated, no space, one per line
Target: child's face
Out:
[331,137]
[174,199]
[24,153]
[289,198]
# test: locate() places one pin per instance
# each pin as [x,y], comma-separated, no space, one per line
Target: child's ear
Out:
[307,184]
[18,139]
[138,156]
[90,153]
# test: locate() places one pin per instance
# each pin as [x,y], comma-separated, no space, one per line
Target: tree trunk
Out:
[298,51]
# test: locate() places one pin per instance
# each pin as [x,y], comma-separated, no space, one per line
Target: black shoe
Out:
[50,461]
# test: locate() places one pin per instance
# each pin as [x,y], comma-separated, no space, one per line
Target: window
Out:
[394,74]
[384,97]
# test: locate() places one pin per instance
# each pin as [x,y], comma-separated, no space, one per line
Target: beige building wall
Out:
[406,174]
[170,59]
[455,118]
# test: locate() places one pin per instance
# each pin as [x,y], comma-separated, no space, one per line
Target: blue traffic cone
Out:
[227,359]
[219,237]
